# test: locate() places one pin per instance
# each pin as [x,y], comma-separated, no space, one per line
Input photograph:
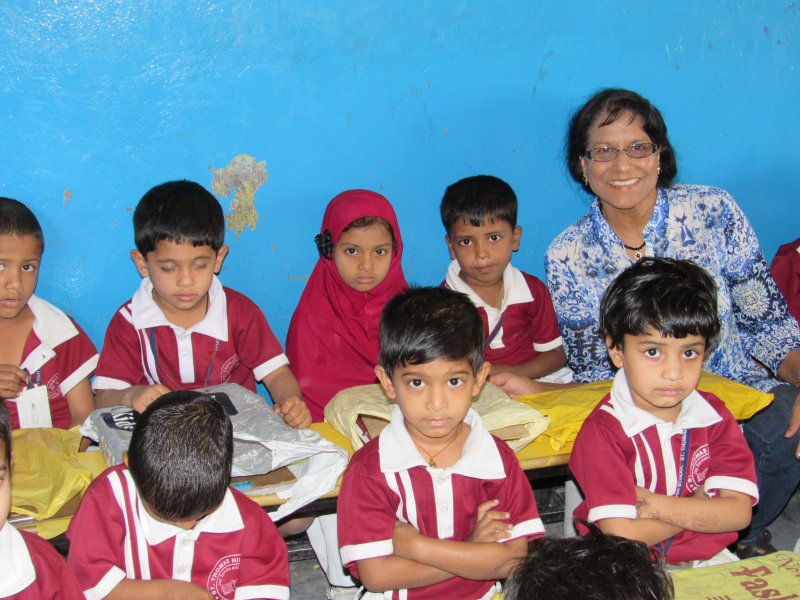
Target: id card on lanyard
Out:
[33,405]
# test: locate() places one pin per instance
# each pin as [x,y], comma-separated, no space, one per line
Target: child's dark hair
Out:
[477,200]
[18,220]
[5,432]
[181,453]
[362,222]
[675,297]
[181,212]
[594,567]
[424,324]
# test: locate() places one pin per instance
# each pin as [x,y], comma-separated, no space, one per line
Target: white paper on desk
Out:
[322,464]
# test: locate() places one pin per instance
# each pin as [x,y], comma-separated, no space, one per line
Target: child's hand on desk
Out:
[294,412]
[142,396]
[11,378]
[490,525]
[184,590]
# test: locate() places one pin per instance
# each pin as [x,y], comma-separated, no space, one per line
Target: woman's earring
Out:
[659,169]
[586,181]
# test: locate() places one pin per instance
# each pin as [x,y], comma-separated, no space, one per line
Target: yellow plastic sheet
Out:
[568,408]
[46,471]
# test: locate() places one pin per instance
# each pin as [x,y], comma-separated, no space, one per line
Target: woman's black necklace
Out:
[636,250]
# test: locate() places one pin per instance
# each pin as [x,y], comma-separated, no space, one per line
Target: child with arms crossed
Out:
[182,329]
[435,507]
[165,524]
[32,569]
[521,333]
[45,358]
[657,460]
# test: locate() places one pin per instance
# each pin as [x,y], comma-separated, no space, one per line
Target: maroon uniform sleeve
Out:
[264,566]
[76,358]
[255,343]
[516,497]
[732,465]
[542,315]
[785,269]
[120,364]
[54,579]
[366,510]
[97,538]
[601,468]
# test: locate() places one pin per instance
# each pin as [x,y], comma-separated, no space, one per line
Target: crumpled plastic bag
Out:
[46,472]
[263,442]
[512,421]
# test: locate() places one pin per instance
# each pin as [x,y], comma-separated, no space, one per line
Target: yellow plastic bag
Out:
[510,420]
[46,472]
[568,408]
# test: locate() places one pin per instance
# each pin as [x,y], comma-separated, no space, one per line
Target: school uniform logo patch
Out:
[53,387]
[224,576]
[698,468]
[227,368]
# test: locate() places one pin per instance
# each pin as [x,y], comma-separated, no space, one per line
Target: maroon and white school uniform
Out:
[529,324]
[236,551]
[621,446]
[32,569]
[388,480]
[58,355]
[232,344]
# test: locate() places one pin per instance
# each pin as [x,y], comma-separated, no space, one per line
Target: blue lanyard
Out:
[494,331]
[664,547]
[153,346]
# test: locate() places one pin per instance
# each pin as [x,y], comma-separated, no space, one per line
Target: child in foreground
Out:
[45,357]
[332,342]
[435,507]
[657,460]
[31,567]
[594,567]
[182,329]
[165,523]
[521,333]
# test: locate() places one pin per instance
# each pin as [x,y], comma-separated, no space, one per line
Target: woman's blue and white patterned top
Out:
[697,223]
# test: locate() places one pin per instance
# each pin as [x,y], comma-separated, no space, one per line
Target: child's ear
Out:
[615,353]
[449,247]
[221,254]
[480,377]
[125,458]
[517,236]
[386,382]
[141,264]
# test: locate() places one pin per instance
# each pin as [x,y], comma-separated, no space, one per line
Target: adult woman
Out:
[618,150]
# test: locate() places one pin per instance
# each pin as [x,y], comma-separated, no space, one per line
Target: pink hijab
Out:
[333,337]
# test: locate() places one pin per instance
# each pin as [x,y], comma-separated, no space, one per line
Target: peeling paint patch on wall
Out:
[244,175]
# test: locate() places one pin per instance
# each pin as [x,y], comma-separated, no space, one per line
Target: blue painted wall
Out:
[101,100]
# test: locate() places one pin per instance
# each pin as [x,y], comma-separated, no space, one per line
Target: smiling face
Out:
[181,275]
[20,257]
[434,397]
[661,371]
[623,184]
[363,256]
[483,252]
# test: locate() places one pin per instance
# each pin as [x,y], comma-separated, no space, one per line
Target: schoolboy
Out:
[435,507]
[521,333]
[32,569]
[593,567]
[165,523]
[45,357]
[657,460]
[182,329]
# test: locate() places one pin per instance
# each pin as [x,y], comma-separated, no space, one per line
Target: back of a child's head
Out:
[5,433]
[594,567]
[425,324]
[478,200]
[676,298]
[18,220]
[181,453]
[183,212]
